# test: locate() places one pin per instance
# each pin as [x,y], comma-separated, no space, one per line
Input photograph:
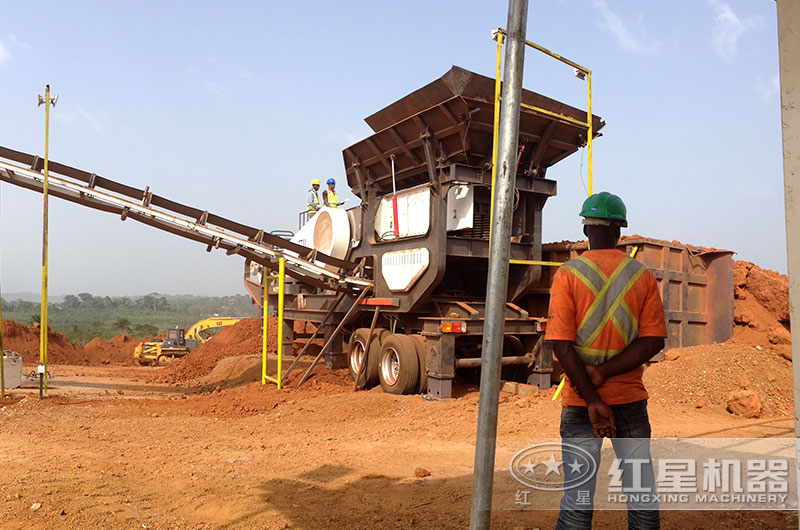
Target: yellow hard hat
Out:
[315,181]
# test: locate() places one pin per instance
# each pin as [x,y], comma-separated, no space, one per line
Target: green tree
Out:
[124,325]
[71,301]
[36,318]
[145,330]
[86,298]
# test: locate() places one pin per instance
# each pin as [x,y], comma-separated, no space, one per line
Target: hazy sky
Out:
[234,106]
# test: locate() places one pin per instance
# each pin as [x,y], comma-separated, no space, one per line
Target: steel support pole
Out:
[265,328]
[789,54]
[281,288]
[497,283]
[43,310]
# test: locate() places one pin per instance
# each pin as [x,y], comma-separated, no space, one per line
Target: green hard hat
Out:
[605,206]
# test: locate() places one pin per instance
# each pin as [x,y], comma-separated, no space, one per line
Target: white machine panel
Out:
[460,201]
[328,232]
[414,213]
[402,269]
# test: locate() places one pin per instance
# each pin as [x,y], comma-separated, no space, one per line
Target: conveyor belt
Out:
[94,191]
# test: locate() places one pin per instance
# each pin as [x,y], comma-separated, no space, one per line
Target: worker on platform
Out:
[605,322]
[329,197]
[312,199]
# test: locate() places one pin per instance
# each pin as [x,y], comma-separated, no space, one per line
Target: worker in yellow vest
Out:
[329,197]
[312,199]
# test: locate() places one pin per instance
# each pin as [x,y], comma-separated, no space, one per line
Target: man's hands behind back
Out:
[602,419]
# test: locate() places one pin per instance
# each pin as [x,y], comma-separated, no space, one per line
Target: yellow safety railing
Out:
[580,71]
[281,284]
[540,263]
[496,124]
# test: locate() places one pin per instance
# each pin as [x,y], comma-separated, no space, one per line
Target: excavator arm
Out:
[195,332]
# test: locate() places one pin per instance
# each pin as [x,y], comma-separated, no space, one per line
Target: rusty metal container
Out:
[696,285]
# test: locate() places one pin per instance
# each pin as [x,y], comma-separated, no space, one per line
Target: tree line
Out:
[83,316]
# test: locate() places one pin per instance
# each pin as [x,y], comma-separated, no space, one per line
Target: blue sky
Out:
[234,106]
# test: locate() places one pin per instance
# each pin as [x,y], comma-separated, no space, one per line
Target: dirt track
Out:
[107,450]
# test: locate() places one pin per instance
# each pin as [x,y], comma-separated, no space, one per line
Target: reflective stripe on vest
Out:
[315,200]
[609,304]
[333,199]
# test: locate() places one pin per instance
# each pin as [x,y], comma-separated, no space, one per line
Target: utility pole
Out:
[497,282]
[789,55]
[42,369]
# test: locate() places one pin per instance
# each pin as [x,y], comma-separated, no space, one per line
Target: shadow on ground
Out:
[325,498]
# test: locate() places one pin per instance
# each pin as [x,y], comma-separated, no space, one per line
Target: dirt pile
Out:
[119,350]
[25,341]
[761,308]
[706,376]
[243,338]
[255,398]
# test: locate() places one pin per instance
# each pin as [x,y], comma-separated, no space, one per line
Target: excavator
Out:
[179,342]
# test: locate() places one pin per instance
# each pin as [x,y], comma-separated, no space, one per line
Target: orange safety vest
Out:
[609,305]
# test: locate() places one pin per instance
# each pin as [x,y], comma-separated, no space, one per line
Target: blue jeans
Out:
[632,442]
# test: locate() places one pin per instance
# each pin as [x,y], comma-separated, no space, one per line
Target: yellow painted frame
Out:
[499,35]
[281,277]
[43,325]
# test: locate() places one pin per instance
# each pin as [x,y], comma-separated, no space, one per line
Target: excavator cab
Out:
[176,338]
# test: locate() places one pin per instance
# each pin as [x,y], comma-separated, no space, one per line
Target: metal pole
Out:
[43,311]
[789,55]
[396,215]
[265,329]
[590,132]
[281,287]
[496,122]
[497,283]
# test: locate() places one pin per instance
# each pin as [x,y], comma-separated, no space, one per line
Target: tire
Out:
[355,350]
[399,366]
[422,357]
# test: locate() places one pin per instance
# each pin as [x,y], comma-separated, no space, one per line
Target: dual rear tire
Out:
[366,377]
[397,362]
[399,365]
